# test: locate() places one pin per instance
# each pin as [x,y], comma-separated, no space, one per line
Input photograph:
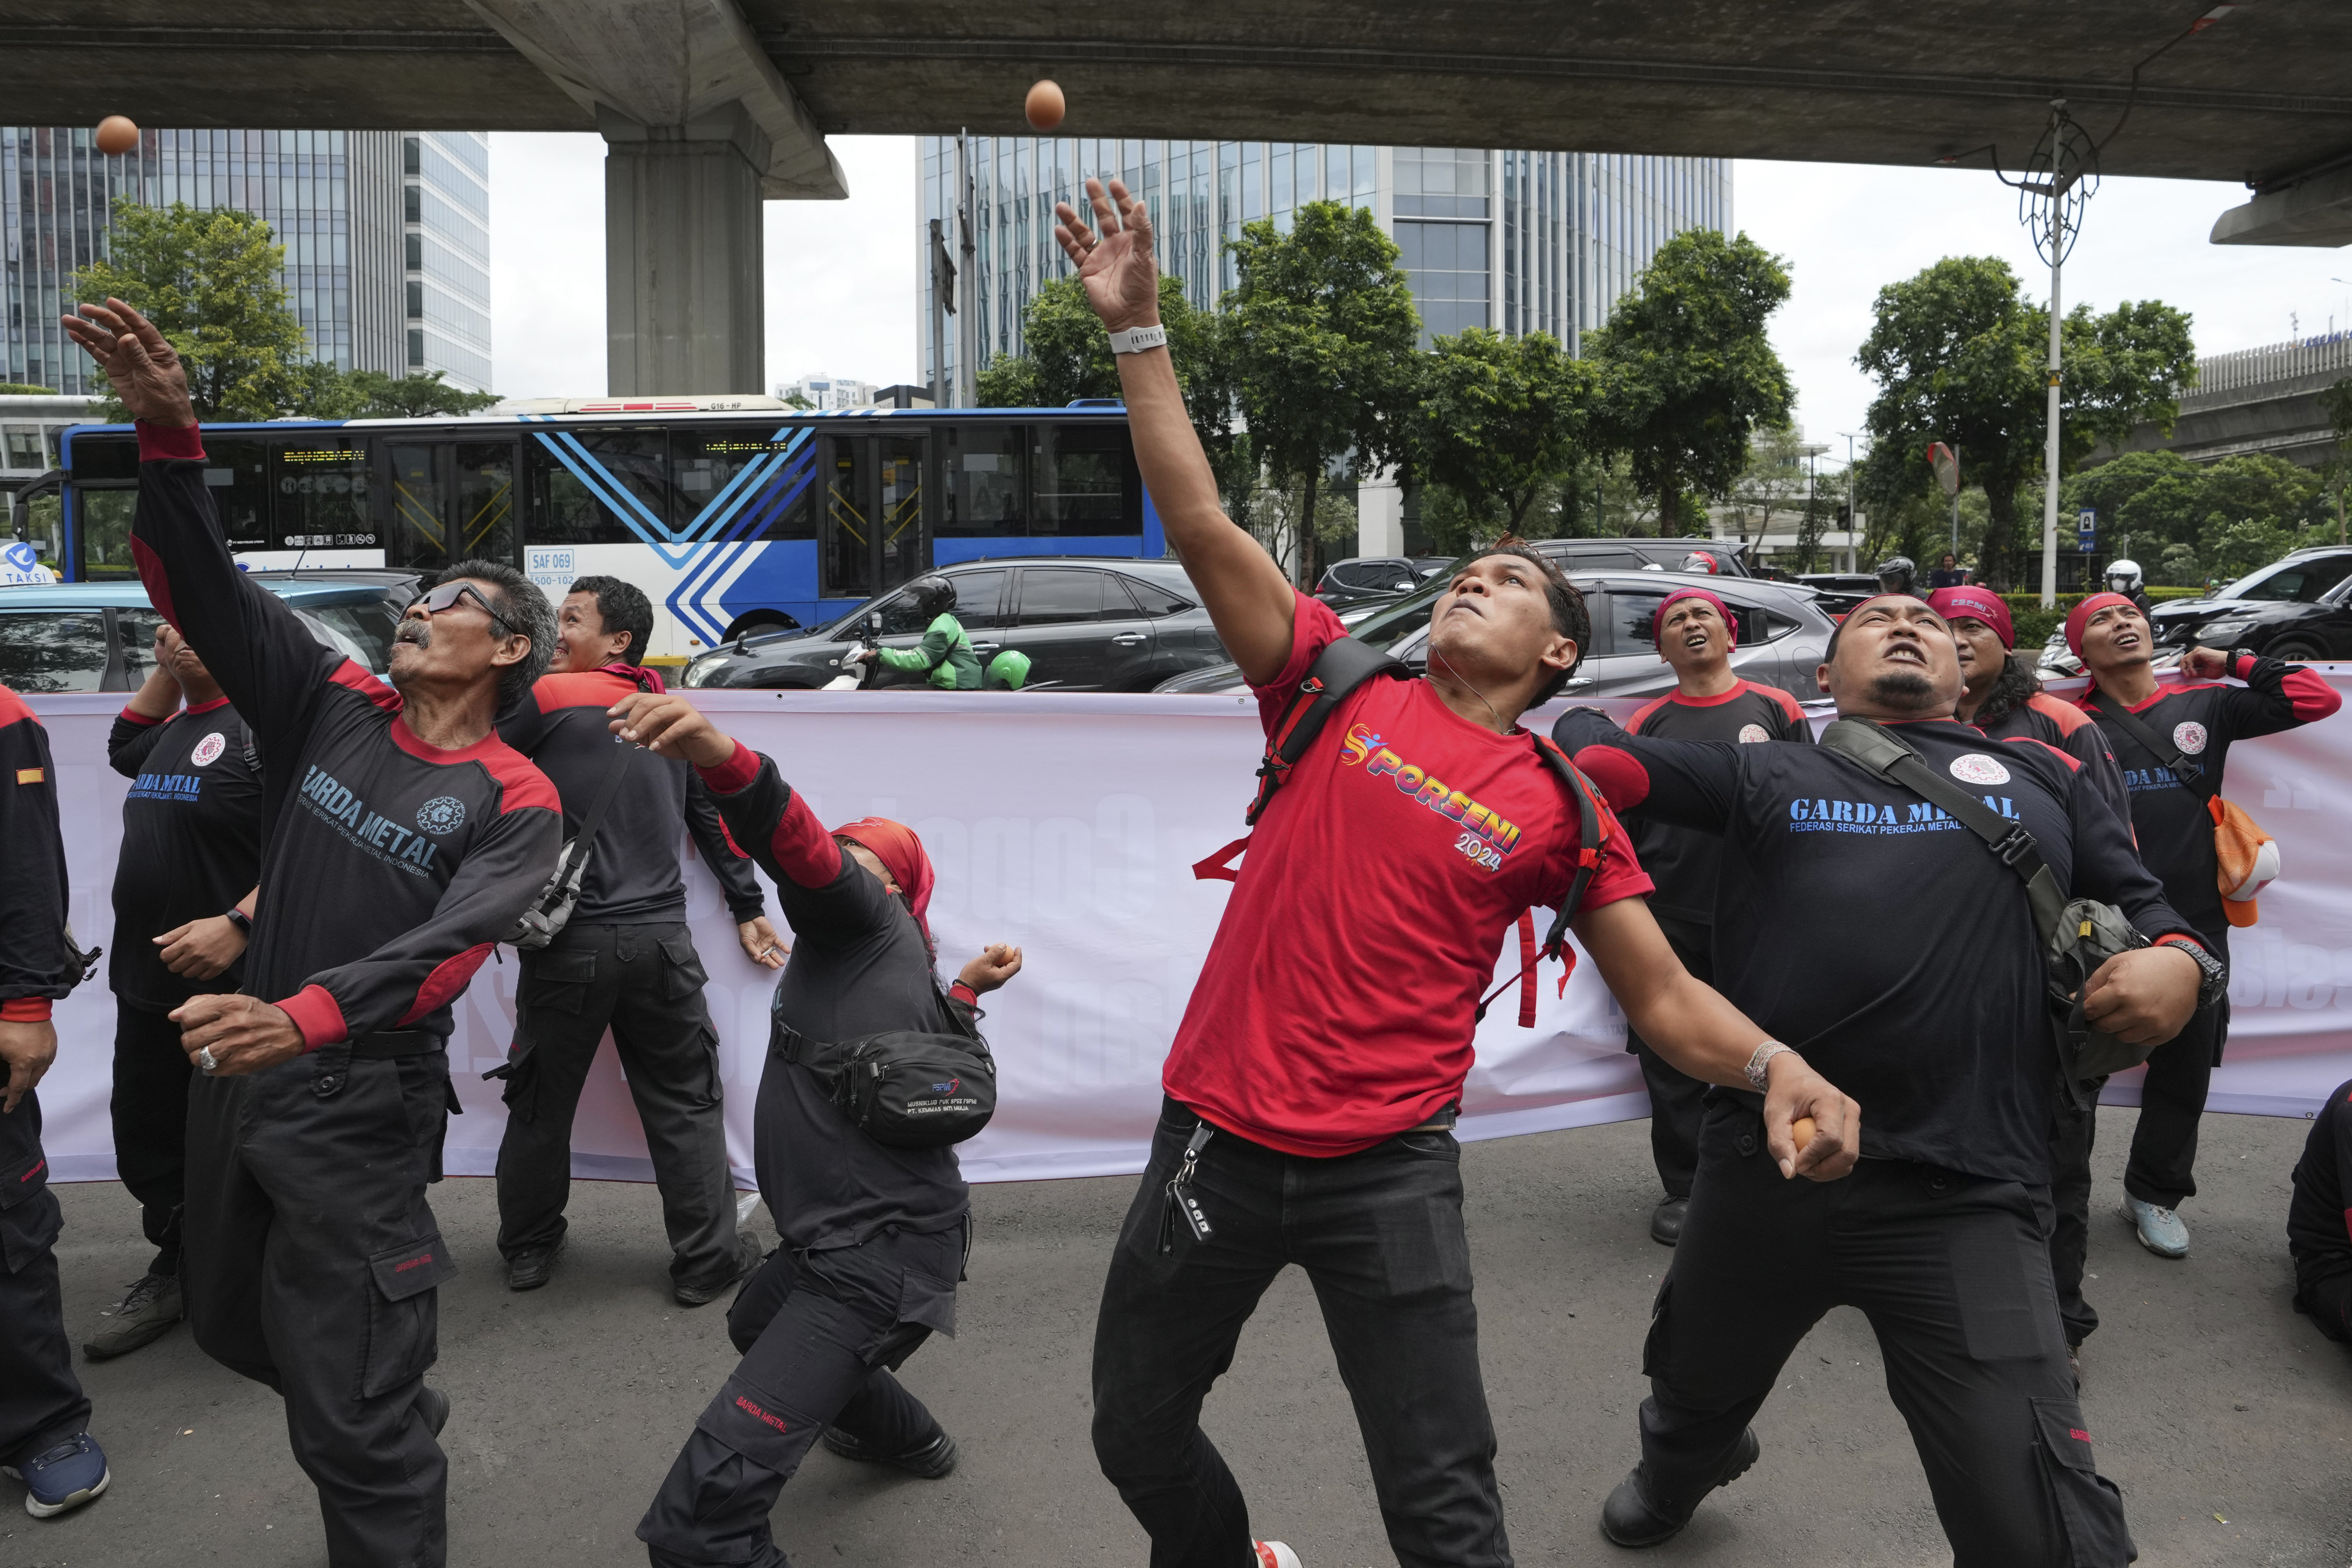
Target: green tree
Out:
[1319,336]
[1496,420]
[24,389]
[1685,371]
[1773,481]
[209,281]
[1959,356]
[381,396]
[2338,402]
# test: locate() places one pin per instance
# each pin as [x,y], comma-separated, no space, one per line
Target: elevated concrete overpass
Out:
[711,105]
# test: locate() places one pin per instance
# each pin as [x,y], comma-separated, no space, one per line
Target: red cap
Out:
[1977,604]
[1658,620]
[2080,617]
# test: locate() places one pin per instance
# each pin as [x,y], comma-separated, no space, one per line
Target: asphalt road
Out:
[2226,1419]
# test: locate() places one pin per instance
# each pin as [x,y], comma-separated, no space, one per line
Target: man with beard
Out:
[1694,633]
[401,840]
[1316,1075]
[1860,924]
[2004,698]
[2193,722]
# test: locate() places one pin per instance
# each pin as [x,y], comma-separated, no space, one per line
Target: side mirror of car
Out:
[874,622]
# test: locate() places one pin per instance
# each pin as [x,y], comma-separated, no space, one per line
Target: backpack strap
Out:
[1588,863]
[1339,670]
[2191,774]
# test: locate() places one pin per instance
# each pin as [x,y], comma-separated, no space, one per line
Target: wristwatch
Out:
[1134,340]
[2216,975]
[239,918]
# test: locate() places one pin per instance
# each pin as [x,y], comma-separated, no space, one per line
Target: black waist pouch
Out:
[907,1088]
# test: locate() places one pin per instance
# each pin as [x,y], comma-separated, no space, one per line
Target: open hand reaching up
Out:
[1113,257]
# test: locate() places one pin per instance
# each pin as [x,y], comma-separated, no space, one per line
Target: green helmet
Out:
[1008,670]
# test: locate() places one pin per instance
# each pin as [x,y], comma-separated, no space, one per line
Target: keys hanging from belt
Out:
[1180,1200]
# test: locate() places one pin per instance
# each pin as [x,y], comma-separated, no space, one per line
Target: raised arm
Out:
[1686,784]
[1246,597]
[2277,696]
[254,645]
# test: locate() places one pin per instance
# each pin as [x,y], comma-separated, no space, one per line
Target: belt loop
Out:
[331,1069]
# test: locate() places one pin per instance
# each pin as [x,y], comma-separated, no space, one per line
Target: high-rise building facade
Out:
[1517,241]
[337,200]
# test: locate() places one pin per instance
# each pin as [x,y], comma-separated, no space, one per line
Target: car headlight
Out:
[700,672]
[2219,634]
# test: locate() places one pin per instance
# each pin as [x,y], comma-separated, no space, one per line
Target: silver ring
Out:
[205,1062]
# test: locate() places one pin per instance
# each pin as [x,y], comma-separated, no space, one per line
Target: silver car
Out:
[1783,635]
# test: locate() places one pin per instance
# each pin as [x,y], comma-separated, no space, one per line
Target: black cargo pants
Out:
[821,1334]
[1379,1233]
[2074,1130]
[645,982]
[41,1401]
[311,1264]
[1953,1272]
[149,1108]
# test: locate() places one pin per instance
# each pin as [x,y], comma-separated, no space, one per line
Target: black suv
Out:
[1087,623]
[1729,555]
[2298,607]
[1368,577]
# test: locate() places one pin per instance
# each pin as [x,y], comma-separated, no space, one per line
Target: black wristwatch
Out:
[239,918]
[2216,973]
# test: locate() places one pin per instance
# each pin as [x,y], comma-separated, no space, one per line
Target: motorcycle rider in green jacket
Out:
[945,654]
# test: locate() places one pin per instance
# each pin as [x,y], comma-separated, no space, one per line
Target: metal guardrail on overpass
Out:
[2273,363]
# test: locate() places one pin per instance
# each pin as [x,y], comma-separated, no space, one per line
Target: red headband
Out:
[1658,619]
[2080,617]
[901,853]
[1977,603]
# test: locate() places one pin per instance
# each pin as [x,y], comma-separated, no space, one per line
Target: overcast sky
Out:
[841,275]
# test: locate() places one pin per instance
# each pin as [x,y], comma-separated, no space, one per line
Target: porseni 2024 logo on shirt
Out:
[1486,836]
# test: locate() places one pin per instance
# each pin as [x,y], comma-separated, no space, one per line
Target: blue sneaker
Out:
[2160,1229]
[63,1477]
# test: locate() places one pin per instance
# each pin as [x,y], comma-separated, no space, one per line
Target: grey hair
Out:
[517,601]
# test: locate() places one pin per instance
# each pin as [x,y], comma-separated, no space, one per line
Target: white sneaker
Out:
[1275,1554]
[2160,1230]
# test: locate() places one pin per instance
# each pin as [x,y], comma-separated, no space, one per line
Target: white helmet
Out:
[2123,577]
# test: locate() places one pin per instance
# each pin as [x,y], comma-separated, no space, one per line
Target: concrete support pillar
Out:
[683,288]
[1379,516]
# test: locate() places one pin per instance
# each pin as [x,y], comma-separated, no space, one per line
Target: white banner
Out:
[1069,823]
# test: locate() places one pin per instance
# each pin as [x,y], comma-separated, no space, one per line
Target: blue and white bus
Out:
[731,514]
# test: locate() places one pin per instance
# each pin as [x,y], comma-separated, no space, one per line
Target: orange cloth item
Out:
[2239,846]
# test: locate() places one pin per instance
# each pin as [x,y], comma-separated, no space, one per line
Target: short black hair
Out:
[1569,617]
[516,600]
[1829,654]
[622,608]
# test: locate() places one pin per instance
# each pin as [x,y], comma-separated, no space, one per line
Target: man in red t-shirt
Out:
[1314,1081]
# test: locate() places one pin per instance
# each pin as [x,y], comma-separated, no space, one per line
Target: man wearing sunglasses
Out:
[401,837]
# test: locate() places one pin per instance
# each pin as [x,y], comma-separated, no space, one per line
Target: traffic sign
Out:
[2086,522]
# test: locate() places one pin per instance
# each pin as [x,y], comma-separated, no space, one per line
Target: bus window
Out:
[1084,482]
[234,474]
[748,482]
[102,520]
[107,457]
[599,486]
[322,495]
[486,523]
[982,470]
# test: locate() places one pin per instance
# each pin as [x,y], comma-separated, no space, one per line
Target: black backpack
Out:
[1336,671]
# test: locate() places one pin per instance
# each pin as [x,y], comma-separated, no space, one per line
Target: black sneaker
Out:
[929,1460]
[748,1257]
[532,1266]
[1632,1517]
[141,1317]
[1667,1221]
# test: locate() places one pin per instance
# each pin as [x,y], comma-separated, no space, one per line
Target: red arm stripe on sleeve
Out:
[14,708]
[520,783]
[2073,765]
[1622,780]
[804,851]
[317,1013]
[596,689]
[728,835]
[145,721]
[350,675]
[2313,698]
[1789,704]
[449,976]
[1641,714]
[151,573]
[160,443]
[964,993]
[25,1010]
[2064,715]
[735,775]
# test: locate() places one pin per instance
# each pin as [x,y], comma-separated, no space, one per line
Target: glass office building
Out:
[387,261]
[1517,241]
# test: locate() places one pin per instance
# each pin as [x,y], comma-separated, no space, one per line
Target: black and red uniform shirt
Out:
[36,966]
[191,841]
[1880,936]
[860,965]
[1681,862]
[2202,719]
[390,867]
[2319,1216]
[1335,1008]
[2055,721]
[634,876]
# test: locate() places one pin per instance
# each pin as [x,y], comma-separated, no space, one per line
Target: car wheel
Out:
[2293,648]
[752,621]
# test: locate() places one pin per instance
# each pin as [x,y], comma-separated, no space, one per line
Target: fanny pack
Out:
[2246,858]
[905,1089]
[551,911]
[2077,935]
